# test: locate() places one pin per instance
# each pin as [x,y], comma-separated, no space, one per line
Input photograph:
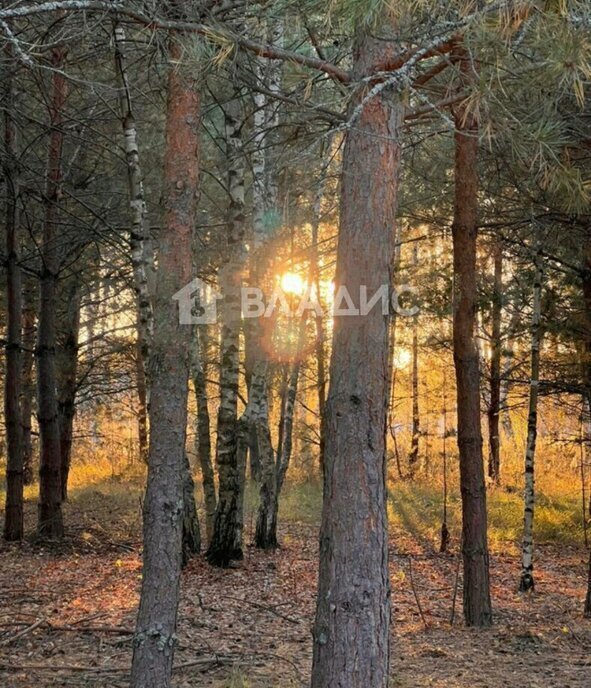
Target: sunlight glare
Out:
[292,284]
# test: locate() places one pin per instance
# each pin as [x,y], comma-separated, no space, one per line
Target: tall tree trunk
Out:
[586,289]
[352,626]
[142,397]
[155,639]
[265,220]
[413,457]
[266,195]
[319,318]
[142,257]
[494,409]
[28,385]
[256,416]
[199,371]
[286,424]
[191,531]
[507,369]
[477,604]
[68,329]
[226,541]
[50,520]
[526,582]
[13,523]
[587,610]
[444,541]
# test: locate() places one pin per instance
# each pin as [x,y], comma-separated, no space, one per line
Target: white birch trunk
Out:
[226,541]
[527,577]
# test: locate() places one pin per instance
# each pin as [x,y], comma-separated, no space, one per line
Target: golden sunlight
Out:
[292,284]
[402,357]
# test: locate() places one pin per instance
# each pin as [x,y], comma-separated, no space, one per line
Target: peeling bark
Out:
[226,542]
[527,582]
[142,256]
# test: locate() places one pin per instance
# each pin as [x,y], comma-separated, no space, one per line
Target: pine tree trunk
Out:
[199,371]
[13,523]
[191,531]
[477,604]
[68,329]
[527,582]
[226,542]
[494,409]
[28,380]
[352,626]
[316,282]
[154,640]
[50,519]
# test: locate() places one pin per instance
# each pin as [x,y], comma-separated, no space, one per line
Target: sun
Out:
[402,357]
[292,284]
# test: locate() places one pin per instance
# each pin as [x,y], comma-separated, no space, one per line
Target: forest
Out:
[295,310]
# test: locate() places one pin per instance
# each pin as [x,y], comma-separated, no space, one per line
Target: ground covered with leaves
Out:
[67,612]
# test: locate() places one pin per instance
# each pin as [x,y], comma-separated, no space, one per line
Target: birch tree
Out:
[527,582]
[142,257]
[226,542]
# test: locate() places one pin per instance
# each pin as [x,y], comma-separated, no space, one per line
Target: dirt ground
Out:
[66,614]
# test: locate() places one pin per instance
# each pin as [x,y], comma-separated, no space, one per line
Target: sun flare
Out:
[292,284]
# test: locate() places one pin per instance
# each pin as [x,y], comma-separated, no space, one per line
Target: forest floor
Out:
[67,612]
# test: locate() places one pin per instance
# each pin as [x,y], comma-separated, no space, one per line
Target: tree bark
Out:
[199,371]
[142,397]
[13,523]
[265,191]
[527,582]
[318,318]
[286,424]
[413,457]
[477,604]
[586,289]
[507,369]
[226,542]
[50,518]
[191,531]
[587,610]
[494,409]
[68,329]
[28,379]
[142,257]
[155,639]
[352,626]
